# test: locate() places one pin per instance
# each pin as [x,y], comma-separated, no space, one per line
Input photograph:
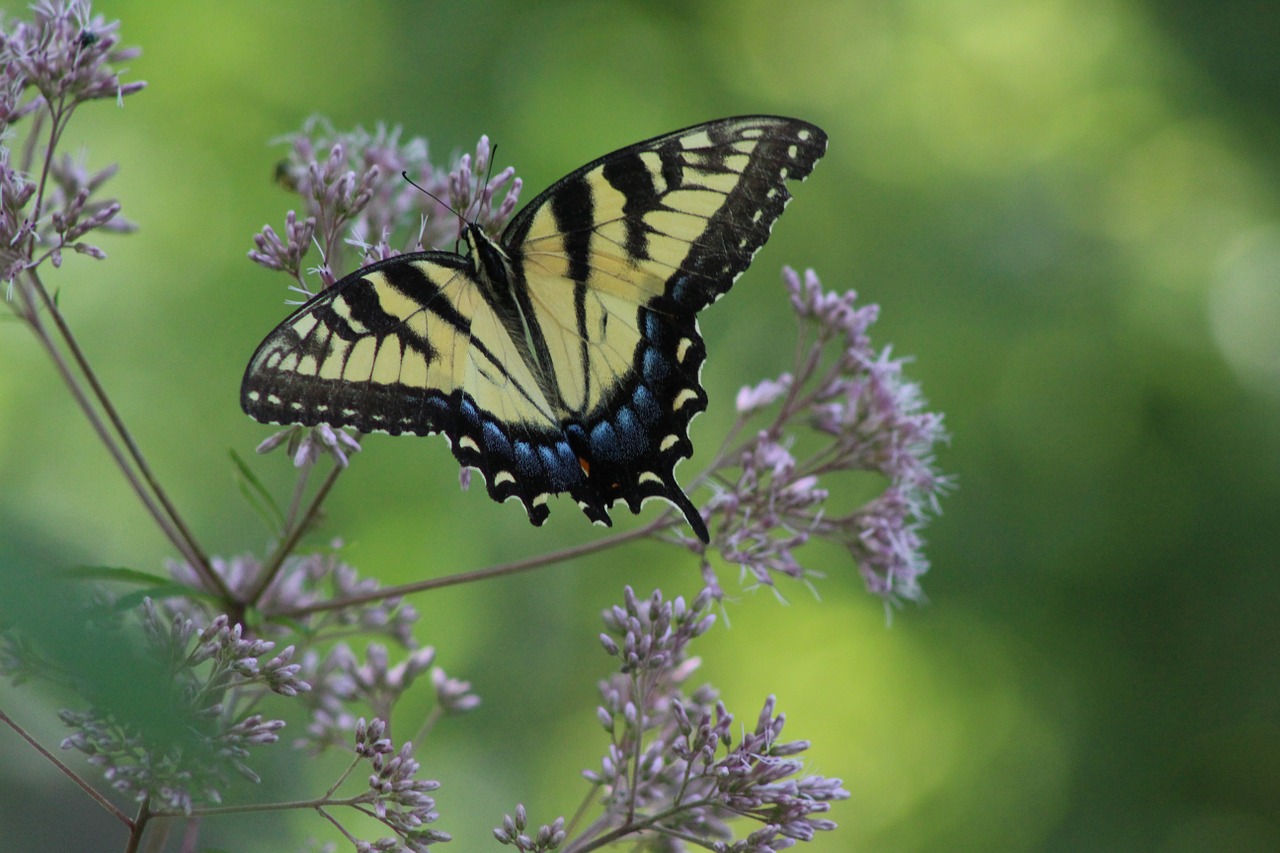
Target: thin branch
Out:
[428,723]
[56,115]
[630,827]
[33,138]
[356,801]
[139,826]
[91,414]
[500,570]
[272,566]
[587,799]
[299,489]
[336,823]
[180,534]
[71,774]
[170,522]
[355,762]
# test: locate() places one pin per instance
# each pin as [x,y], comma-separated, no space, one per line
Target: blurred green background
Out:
[1070,215]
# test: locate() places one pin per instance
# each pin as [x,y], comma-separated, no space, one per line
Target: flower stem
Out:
[71,774]
[634,826]
[500,570]
[272,566]
[183,543]
[138,827]
[170,521]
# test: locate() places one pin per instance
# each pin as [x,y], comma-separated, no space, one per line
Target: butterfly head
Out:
[490,258]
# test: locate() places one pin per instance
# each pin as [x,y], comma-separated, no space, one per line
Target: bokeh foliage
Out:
[1070,213]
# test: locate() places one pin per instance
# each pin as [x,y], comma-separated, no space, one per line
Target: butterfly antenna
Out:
[429,194]
[479,191]
[461,218]
[483,189]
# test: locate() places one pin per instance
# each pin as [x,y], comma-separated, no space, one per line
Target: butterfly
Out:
[563,356]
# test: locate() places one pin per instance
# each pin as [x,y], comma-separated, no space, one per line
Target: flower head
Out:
[307,444]
[545,839]
[178,741]
[50,65]
[354,193]
[672,769]
[67,54]
[399,801]
[851,404]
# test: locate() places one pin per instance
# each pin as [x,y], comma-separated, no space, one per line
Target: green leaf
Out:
[153,586]
[165,589]
[257,495]
[111,573]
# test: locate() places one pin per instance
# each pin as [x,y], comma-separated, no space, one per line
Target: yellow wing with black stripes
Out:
[563,357]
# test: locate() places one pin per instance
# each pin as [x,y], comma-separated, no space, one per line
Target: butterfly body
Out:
[565,356]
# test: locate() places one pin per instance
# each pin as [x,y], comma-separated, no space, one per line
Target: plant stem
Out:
[587,799]
[631,827]
[171,521]
[91,414]
[138,826]
[246,808]
[165,515]
[272,566]
[71,774]
[482,574]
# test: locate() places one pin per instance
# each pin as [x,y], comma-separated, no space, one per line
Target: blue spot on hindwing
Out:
[604,442]
[495,440]
[568,459]
[655,366]
[467,409]
[650,326]
[631,433]
[558,477]
[435,409]
[678,287]
[646,406]
[526,459]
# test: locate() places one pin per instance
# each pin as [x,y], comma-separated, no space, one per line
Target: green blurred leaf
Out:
[154,586]
[257,495]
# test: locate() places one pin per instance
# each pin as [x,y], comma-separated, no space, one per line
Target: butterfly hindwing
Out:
[564,357]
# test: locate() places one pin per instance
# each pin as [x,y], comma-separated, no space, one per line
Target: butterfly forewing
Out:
[585,381]
[383,349]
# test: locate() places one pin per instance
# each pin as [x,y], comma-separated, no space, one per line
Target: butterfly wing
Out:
[589,384]
[405,345]
[412,344]
[617,259]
